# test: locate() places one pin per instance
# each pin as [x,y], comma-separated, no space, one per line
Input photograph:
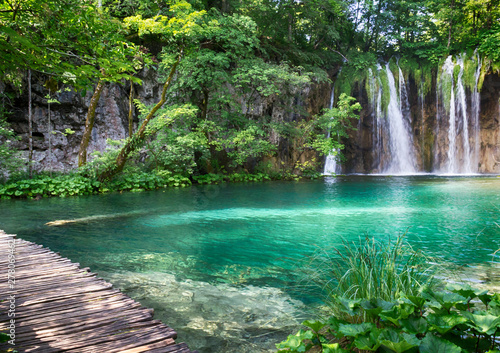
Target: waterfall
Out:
[452,134]
[476,104]
[448,68]
[461,158]
[462,111]
[331,166]
[422,128]
[400,139]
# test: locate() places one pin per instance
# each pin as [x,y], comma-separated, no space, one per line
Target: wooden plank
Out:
[62,308]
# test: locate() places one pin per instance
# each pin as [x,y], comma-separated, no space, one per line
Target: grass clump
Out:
[370,269]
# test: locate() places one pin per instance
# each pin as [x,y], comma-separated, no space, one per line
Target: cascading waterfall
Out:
[401,142]
[476,104]
[460,157]
[462,113]
[447,143]
[331,166]
[448,68]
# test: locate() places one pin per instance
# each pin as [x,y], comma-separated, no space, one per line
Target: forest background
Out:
[216,61]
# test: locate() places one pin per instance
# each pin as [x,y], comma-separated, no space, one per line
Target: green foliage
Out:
[490,44]
[233,177]
[337,122]
[10,159]
[140,181]
[76,184]
[4,337]
[366,270]
[407,323]
[43,186]
[355,72]
[70,40]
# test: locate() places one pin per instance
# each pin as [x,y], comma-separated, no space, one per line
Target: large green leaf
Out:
[354,330]
[397,313]
[349,306]
[433,344]
[469,292]
[418,301]
[444,323]
[398,342]
[443,300]
[369,341]
[373,307]
[414,325]
[295,343]
[484,323]
[335,323]
[314,325]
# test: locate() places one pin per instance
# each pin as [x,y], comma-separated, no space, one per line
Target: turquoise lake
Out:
[218,263]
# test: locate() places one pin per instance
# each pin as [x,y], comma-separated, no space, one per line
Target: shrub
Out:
[460,319]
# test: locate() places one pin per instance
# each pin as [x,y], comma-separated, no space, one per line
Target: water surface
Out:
[217,262]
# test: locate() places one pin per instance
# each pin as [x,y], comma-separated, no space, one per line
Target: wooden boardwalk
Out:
[49,304]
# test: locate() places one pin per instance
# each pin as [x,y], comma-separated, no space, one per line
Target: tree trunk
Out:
[30,128]
[130,110]
[140,134]
[89,124]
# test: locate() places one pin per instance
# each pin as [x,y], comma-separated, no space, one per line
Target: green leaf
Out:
[398,342]
[466,290]
[4,337]
[443,300]
[368,342]
[433,344]
[354,330]
[483,322]
[397,313]
[335,323]
[333,348]
[295,343]
[444,323]
[314,325]
[374,307]
[414,325]
[416,300]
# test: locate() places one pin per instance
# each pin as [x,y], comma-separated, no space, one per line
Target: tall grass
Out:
[370,269]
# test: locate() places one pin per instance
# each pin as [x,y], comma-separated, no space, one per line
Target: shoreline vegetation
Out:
[386,297]
[77,184]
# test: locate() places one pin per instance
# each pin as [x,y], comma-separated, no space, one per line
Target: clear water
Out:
[217,262]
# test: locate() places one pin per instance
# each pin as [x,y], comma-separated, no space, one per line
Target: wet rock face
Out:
[490,125]
[55,150]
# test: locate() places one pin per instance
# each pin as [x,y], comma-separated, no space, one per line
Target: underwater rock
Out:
[215,318]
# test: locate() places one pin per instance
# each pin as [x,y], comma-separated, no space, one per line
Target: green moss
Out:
[384,81]
[484,70]
[470,67]
[426,78]
[371,78]
[446,87]
[456,72]
[348,78]
[495,67]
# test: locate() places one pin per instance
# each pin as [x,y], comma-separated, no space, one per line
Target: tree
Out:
[69,41]
[177,31]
